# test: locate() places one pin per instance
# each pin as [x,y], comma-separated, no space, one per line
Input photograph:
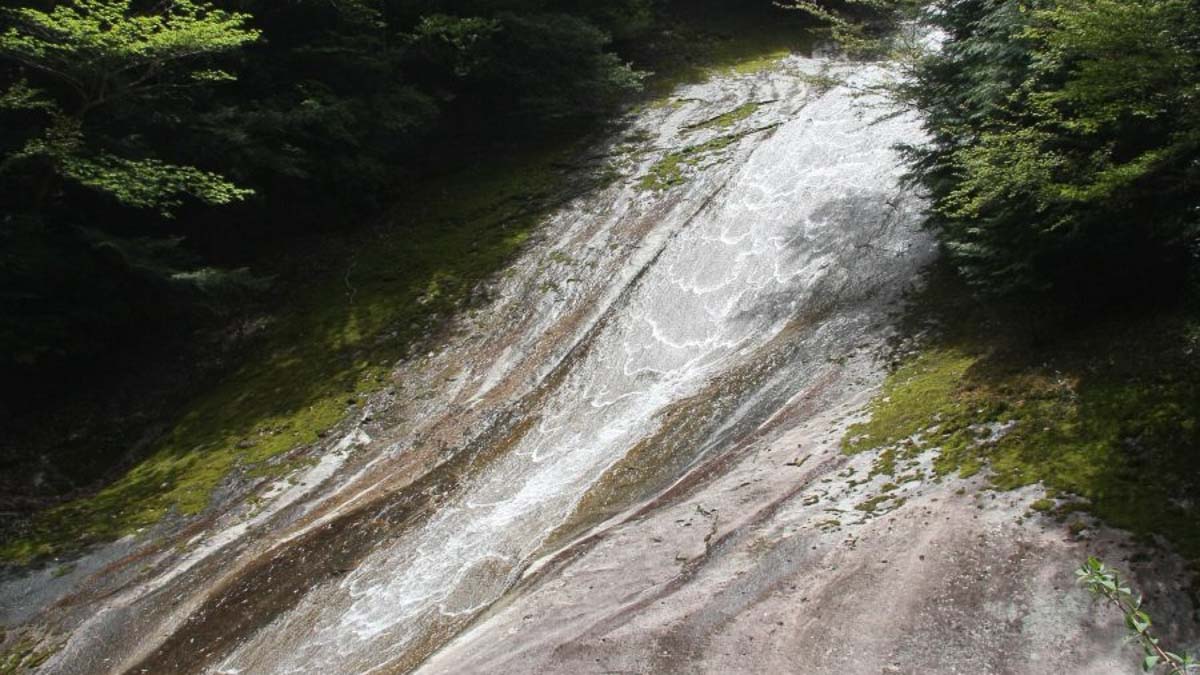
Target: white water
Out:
[787,218]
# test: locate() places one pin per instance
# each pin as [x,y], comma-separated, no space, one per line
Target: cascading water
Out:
[797,214]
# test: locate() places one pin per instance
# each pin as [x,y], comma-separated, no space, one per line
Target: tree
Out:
[1064,136]
[85,55]
[94,95]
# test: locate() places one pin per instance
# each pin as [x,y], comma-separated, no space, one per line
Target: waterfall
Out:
[786,245]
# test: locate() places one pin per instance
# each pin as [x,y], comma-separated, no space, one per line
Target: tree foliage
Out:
[153,143]
[90,54]
[1063,141]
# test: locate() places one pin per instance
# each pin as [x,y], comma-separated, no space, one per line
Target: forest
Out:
[153,151]
[1063,157]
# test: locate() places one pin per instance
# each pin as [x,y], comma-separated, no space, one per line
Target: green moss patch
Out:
[1105,412]
[729,119]
[878,503]
[25,655]
[359,303]
[1042,505]
[671,169]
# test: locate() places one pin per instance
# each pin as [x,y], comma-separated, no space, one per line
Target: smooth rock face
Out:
[805,216]
[629,461]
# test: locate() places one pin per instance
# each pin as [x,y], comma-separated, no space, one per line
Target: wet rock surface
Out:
[628,460]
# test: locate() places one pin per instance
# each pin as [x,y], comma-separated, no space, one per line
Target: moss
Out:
[62,570]
[759,62]
[913,398]
[666,173]
[669,171]
[12,658]
[1105,409]
[355,313]
[726,120]
[885,463]
[24,656]
[719,39]
[873,504]
[1043,505]
[1068,508]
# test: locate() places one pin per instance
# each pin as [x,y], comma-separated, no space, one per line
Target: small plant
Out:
[1103,581]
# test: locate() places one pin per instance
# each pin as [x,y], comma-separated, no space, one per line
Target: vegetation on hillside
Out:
[1103,412]
[123,123]
[166,167]
[1063,170]
[1064,144]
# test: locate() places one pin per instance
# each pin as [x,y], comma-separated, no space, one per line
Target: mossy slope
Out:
[707,39]
[366,298]
[1104,413]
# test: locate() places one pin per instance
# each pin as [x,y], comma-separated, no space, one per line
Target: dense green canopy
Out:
[1065,138]
[124,122]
